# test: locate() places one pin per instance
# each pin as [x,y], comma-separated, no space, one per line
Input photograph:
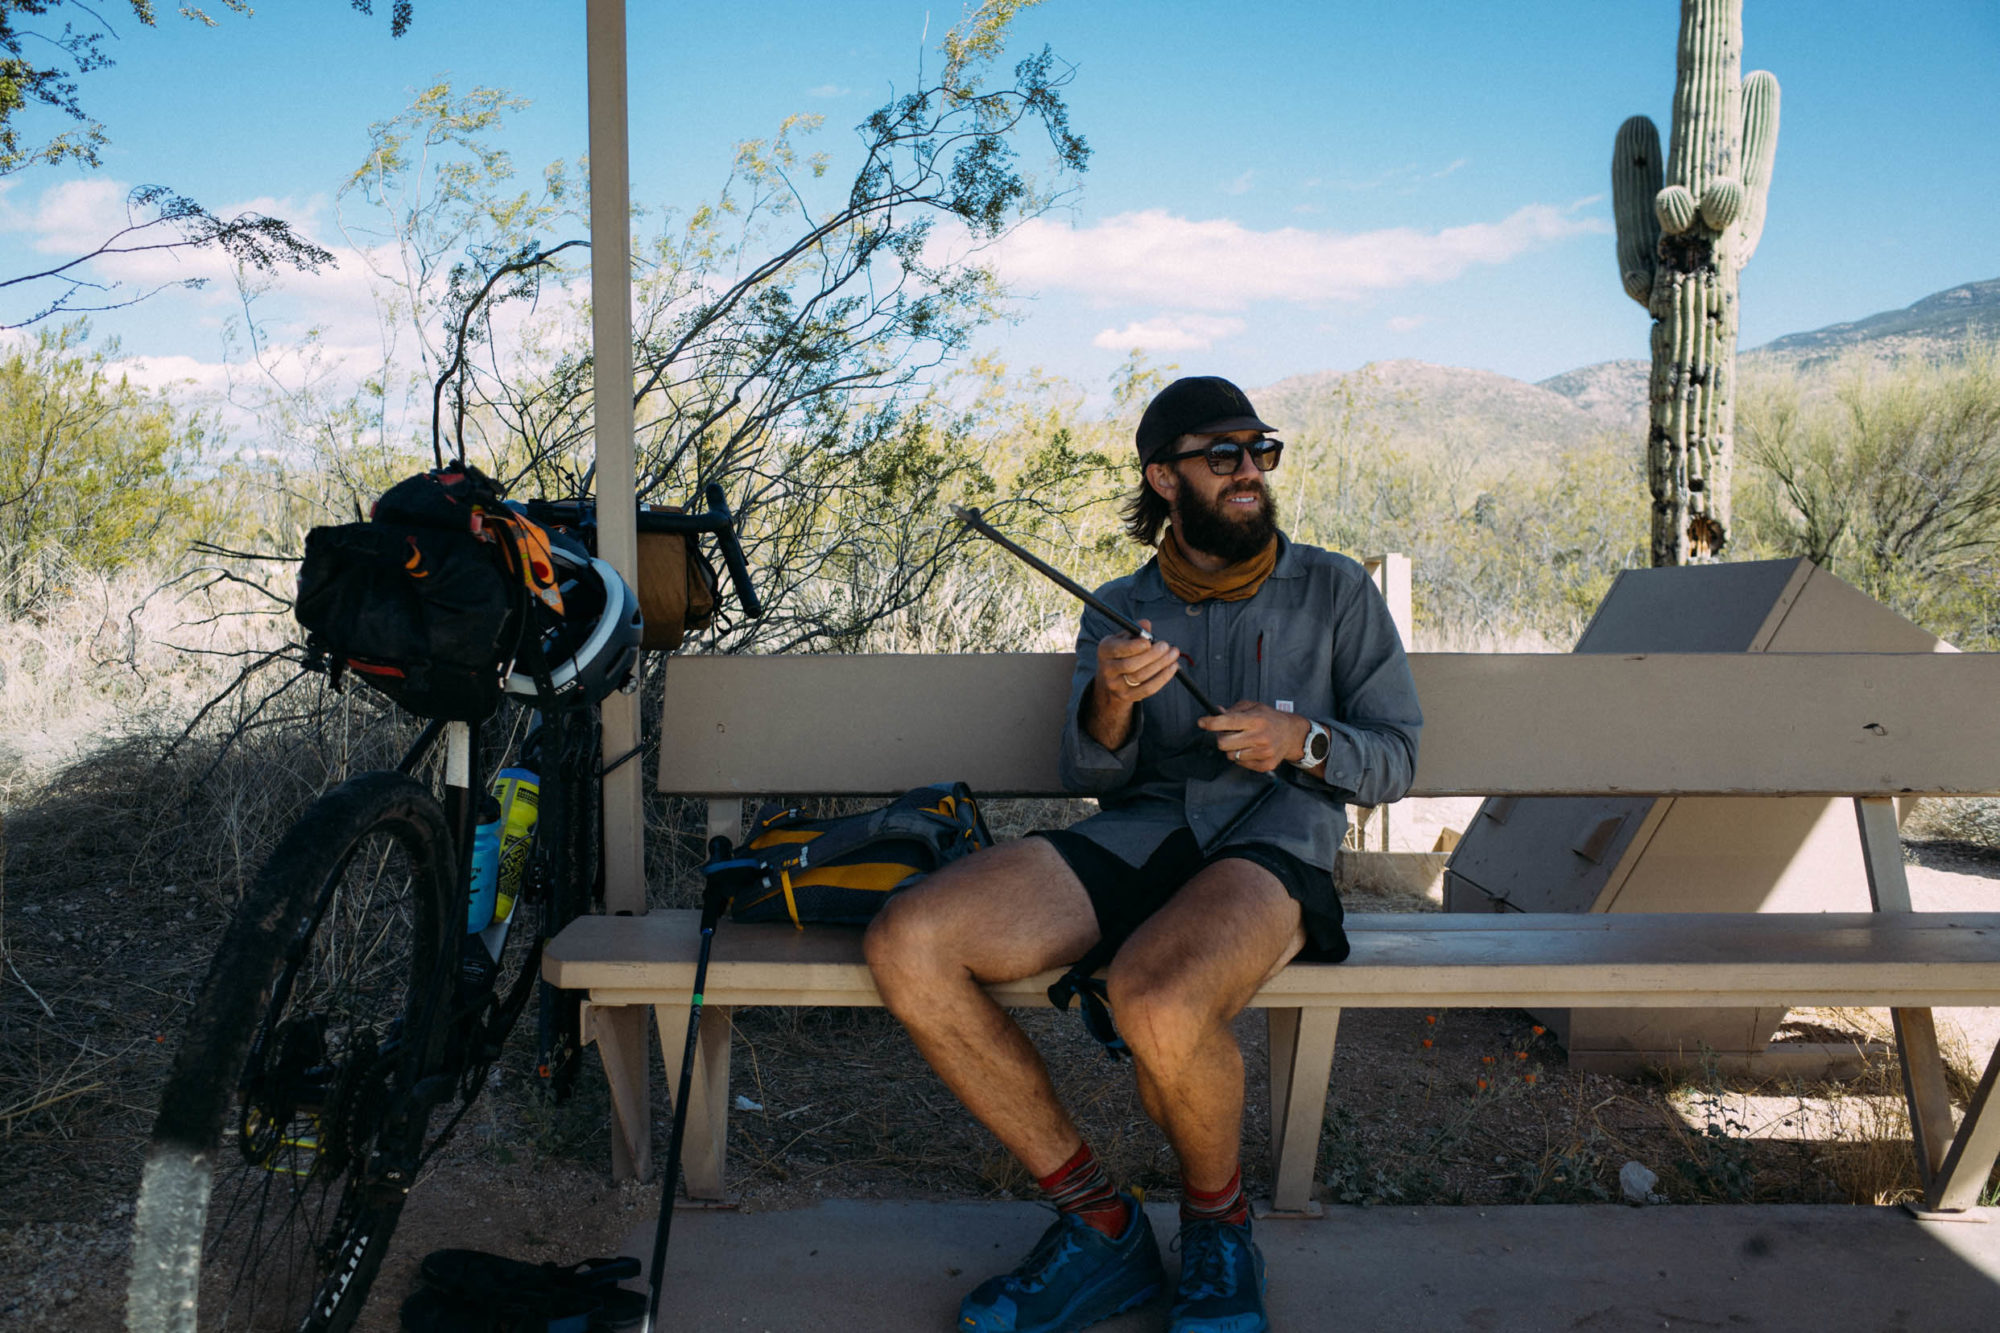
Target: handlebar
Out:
[718,521]
[732,551]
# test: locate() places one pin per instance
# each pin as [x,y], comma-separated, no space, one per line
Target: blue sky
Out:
[1275,187]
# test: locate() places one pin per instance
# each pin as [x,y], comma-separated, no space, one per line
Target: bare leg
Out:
[1007,913]
[1175,988]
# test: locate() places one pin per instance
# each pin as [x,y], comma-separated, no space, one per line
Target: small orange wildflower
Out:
[1482,1085]
[1485,1059]
[1527,1078]
[1539,1029]
[1427,1043]
[1520,1055]
[1430,1018]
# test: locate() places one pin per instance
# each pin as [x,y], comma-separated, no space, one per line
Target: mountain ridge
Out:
[1426,410]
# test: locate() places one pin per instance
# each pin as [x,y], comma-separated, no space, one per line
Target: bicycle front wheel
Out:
[293,1116]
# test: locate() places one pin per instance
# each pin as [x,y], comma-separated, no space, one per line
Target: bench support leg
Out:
[707,1140]
[1955,1186]
[620,1034]
[1301,1066]
[1924,1087]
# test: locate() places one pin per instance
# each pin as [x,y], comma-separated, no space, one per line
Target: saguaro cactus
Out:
[1681,241]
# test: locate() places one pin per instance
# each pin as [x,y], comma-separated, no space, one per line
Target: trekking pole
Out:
[974,520]
[721,874]
[977,522]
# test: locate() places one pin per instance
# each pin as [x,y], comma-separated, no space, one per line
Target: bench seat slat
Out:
[1617,960]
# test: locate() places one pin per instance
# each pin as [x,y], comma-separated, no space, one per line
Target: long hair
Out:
[1145,512]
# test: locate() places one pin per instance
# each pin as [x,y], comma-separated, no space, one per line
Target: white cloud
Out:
[1407,323]
[1241,185]
[1162,259]
[73,216]
[1170,333]
[174,372]
[828,90]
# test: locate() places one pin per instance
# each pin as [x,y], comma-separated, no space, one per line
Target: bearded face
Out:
[1225,527]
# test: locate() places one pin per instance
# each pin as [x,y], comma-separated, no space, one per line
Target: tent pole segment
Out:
[611,345]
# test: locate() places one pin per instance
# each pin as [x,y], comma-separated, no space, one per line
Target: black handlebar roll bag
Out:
[422,614]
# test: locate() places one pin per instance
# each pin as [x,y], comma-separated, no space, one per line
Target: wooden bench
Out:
[1873,727]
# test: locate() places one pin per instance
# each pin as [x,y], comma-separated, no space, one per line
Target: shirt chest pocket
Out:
[1287,656]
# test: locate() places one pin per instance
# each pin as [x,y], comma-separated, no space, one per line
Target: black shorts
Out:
[1124,895]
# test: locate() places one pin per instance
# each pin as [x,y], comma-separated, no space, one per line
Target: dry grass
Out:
[1970,820]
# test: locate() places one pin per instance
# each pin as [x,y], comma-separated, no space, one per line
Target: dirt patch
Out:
[1462,1106]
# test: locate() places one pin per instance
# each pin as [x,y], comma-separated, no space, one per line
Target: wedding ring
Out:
[1129,680]
[1235,755]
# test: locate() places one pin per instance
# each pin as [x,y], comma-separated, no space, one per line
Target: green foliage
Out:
[158,219]
[1574,1173]
[40,66]
[791,337]
[1523,556]
[39,71]
[1890,478]
[1355,1172]
[1717,1163]
[94,470]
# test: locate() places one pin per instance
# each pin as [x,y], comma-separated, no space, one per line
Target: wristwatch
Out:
[1318,743]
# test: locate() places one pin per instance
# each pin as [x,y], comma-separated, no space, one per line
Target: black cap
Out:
[1197,405]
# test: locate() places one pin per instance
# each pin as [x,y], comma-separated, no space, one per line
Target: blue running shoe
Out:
[1222,1281]
[1074,1277]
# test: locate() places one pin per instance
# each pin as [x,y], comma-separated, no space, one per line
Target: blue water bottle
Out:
[485,866]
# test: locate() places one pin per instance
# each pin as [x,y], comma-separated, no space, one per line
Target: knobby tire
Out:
[305,1076]
[570,838]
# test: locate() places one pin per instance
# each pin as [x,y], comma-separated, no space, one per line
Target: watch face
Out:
[1316,746]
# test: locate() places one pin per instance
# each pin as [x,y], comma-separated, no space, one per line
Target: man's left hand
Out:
[1257,736]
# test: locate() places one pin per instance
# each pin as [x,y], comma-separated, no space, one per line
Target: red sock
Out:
[1224,1205]
[1080,1186]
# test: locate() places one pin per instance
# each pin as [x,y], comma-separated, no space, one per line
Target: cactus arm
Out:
[1675,207]
[1721,202]
[1760,150]
[1635,179]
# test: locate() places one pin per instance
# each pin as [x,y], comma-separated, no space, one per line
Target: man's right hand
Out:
[1129,669]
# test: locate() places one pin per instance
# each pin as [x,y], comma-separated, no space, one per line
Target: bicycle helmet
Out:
[593,648]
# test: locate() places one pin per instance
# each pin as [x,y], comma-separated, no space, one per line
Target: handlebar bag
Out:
[677,588]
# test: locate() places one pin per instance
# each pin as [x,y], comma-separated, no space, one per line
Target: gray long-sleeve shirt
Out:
[1317,640]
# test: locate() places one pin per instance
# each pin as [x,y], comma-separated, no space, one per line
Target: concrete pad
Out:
[896,1266]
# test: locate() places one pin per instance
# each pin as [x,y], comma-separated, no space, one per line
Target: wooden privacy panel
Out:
[1828,724]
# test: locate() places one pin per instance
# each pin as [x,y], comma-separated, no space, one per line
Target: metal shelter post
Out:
[611,348]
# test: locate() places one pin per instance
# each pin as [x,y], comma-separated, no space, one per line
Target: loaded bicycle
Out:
[383,954]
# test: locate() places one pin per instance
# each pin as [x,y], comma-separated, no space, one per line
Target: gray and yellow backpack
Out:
[840,871]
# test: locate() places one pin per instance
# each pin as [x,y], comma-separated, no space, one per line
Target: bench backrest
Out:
[1809,724]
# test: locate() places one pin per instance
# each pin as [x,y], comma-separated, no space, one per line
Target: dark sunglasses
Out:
[1225,456]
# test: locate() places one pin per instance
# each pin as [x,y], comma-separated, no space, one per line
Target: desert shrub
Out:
[95,471]
[1890,477]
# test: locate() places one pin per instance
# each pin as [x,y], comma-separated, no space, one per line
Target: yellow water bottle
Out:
[519,793]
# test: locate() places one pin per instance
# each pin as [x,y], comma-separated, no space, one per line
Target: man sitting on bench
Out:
[1209,867]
